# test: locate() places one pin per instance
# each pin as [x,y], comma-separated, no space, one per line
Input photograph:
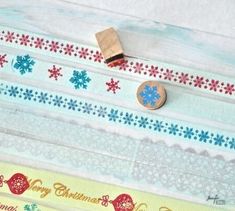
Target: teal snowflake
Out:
[32,207]
[150,95]
[24,64]
[80,79]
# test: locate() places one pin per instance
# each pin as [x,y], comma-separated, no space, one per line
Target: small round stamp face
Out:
[151,94]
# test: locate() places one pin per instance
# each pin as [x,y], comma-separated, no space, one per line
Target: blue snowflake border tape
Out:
[95,97]
[198,80]
[176,171]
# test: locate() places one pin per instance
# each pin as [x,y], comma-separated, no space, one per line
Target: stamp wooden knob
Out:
[110,46]
[151,95]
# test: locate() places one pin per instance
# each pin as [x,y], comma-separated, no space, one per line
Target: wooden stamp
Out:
[110,46]
[151,95]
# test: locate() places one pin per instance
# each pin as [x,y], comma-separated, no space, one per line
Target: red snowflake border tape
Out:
[17,184]
[84,53]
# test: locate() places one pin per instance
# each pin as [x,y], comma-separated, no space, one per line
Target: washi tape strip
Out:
[207,82]
[16,204]
[113,89]
[176,171]
[92,111]
[74,192]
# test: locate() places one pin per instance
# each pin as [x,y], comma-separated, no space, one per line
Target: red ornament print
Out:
[18,184]
[123,202]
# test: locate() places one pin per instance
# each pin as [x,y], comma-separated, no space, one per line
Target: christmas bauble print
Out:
[123,202]
[18,184]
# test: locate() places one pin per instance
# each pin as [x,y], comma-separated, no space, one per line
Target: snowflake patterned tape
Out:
[151,95]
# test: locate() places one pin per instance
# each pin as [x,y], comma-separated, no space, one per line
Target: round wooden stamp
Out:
[151,95]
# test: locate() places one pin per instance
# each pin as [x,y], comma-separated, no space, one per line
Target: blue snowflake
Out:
[188,132]
[143,122]
[102,111]
[42,98]
[57,101]
[13,91]
[203,136]
[173,129]
[128,118]
[87,108]
[80,79]
[113,115]
[72,104]
[24,64]
[219,140]
[150,95]
[32,207]
[158,125]
[232,143]
[28,94]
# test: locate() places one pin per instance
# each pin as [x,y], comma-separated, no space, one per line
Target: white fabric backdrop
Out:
[215,16]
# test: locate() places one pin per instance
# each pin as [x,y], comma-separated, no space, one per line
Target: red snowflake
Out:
[198,82]
[3,60]
[68,49]
[229,89]
[24,40]
[168,74]
[97,56]
[183,78]
[138,67]
[9,37]
[39,43]
[54,72]
[83,53]
[54,46]
[124,65]
[112,86]
[214,85]
[153,71]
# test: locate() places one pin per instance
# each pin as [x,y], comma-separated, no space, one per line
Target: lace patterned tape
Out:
[74,192]
[178,171]
[16,204]
[114,89]
[195,79]
[92,111]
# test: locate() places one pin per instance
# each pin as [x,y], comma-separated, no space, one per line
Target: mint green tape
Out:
[123,90]
[212,83]
[92,111]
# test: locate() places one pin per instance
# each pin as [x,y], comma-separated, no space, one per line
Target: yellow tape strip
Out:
[16,204]
[83,194]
